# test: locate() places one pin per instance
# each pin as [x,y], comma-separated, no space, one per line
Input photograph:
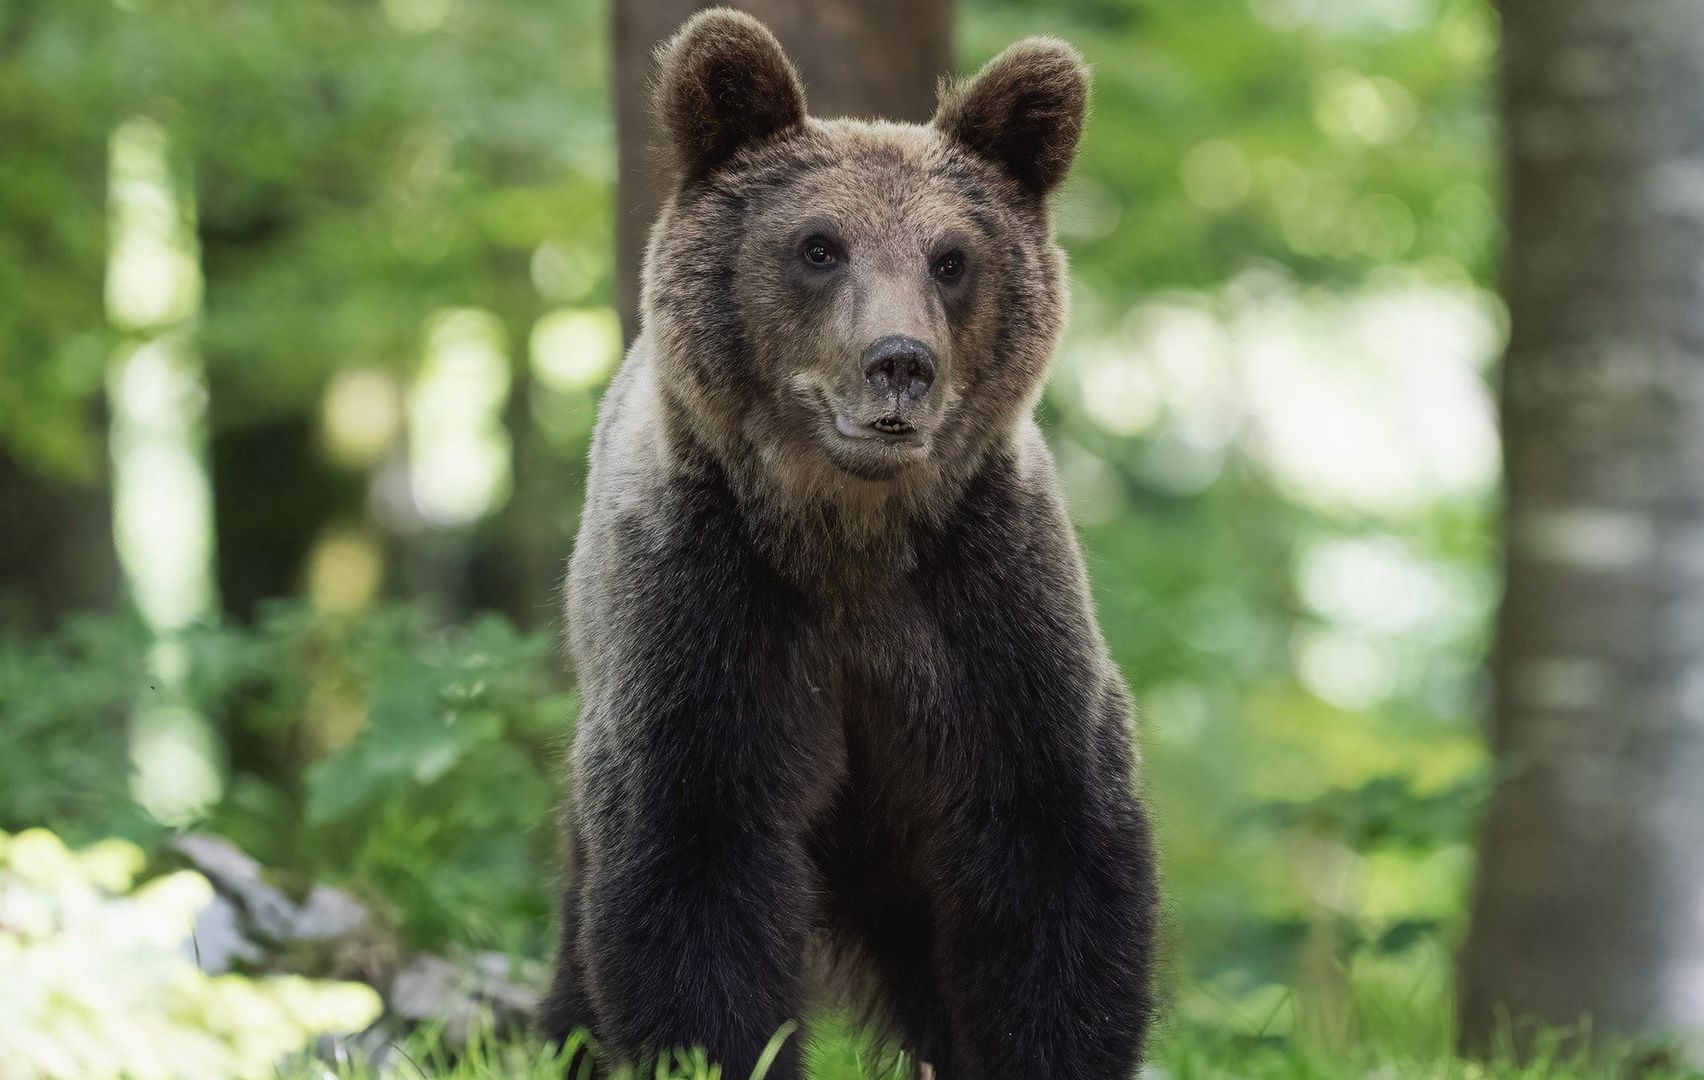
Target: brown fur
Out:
[999,142]
[1024,109]
[850,732]
[724,84]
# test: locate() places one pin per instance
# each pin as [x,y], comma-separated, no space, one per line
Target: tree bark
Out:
[867,58]
[1590,900]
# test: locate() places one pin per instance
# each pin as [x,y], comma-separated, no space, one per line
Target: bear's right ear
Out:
[723,83]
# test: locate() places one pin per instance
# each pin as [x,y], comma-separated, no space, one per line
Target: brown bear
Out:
[851,735]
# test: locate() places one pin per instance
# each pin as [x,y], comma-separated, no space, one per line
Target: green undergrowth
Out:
[835,1052]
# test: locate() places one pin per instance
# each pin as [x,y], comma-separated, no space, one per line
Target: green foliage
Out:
[64,756]
[1334,139]
[1206,1055]
[1388,811]
[1259,178]
[354,167]
[419,766]
[57,99]
[1179,1052]
[100,986]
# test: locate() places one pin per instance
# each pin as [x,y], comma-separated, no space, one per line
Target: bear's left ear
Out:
[723,83]
[1024,110]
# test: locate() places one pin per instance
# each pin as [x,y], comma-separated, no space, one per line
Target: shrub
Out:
[101,981]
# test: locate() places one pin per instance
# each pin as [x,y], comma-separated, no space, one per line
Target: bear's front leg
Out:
[695,939]
[1047,939]
[1044,894]
[700,761]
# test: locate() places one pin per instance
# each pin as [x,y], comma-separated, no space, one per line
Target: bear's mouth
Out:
[886,428]
[873,442]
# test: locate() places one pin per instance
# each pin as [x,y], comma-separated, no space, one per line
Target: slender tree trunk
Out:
[275,496]
[56,551]
[1590,900]
[56,542]
[869,58]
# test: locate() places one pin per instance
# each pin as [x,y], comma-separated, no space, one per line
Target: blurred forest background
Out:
[305,309]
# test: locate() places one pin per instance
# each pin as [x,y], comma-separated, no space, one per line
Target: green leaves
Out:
[1388,811]
[64,755]
[410,738]
[418,765]
[441,798]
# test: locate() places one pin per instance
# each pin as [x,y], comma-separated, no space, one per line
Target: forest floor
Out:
[834,1054]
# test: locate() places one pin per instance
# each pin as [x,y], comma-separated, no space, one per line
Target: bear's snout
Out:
[899,367]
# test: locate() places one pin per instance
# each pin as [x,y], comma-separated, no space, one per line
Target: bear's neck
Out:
[816,523]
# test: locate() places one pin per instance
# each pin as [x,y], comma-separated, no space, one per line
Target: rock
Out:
[331,933]
[492,966]
[328,915]
[511,998]
[427,988]
[238,877]
[370,1051]
[431,989]
[217,942]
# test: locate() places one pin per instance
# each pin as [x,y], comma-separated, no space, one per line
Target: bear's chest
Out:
[882,666]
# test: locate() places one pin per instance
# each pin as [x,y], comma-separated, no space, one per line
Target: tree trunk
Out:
[57,556]
[275,495]
[1590,900]
[56,549]
[869,58]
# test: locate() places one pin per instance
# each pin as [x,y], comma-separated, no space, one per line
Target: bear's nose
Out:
[897,364]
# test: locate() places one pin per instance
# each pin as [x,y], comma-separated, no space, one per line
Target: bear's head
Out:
[855,303]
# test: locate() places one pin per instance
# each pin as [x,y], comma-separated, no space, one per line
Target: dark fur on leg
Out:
[1045,894]
[566,1015]
[698,771]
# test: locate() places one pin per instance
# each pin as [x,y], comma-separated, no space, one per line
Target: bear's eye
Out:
[818,252]
[950,267]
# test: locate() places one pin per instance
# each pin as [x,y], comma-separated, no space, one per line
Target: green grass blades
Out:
[835,1051]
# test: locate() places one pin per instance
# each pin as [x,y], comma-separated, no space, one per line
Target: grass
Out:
[1388,1019]
[835,1053]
